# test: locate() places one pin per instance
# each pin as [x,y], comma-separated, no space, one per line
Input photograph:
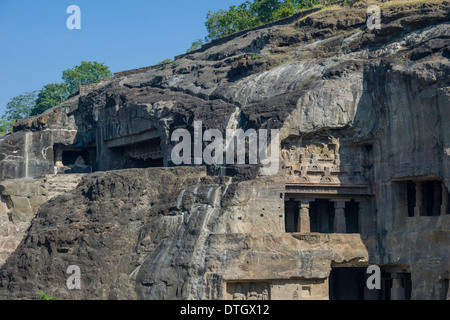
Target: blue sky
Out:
[36,45]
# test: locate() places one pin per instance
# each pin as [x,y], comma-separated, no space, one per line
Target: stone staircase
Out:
[61,183]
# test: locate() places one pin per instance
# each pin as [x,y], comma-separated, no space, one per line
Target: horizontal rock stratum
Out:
[363,178]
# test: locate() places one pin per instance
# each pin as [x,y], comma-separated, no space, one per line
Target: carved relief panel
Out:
[325,161]
[293,289]
[248,290]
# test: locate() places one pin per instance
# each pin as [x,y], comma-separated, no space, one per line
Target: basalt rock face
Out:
[363,178]
[165,234]
[20,201]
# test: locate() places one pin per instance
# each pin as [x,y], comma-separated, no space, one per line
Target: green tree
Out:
[20,106]
[84,74]
[264,10]
[225,22]
[197,44]
[288,8]
[50,95]
[250,14]
[5,126]
[215,24]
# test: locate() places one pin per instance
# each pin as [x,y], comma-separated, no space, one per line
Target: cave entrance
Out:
[74,157]
[347,283]
[83,159]
[145,154]
[422,197]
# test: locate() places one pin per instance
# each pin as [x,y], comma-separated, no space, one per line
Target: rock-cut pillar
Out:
[419,208]
[304,223]
[339,217]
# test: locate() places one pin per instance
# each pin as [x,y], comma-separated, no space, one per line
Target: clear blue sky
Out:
[36,45]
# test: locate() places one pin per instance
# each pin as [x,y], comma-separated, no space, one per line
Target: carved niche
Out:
[248,290]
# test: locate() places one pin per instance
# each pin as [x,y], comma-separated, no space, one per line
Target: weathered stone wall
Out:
[412,107]
[20,201]
[27,154]
[28,151]
[178,217]
[359,114]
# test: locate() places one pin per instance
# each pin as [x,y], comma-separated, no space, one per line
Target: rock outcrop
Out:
[20,201]
[363,179]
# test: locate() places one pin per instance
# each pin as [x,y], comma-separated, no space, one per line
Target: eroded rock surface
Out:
[20,201]
[364,168]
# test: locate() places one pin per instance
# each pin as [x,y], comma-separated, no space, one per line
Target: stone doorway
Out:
[69,159]
[347,283]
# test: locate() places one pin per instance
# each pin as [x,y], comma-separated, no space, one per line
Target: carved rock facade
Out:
[364,169]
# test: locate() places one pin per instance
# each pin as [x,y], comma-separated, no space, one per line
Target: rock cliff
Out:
[364,132]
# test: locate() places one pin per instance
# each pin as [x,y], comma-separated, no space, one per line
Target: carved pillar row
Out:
[419,208]
[339,217]
[445,201]
[304,223]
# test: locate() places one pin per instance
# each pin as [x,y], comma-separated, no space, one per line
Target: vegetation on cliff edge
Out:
[35,102]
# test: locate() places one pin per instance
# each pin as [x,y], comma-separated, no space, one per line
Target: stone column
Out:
[304,224]
[444,205]
[419,209]
[397,290]
[365,217]
[339,217]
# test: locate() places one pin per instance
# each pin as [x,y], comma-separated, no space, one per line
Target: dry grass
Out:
[391,3]
[380,3]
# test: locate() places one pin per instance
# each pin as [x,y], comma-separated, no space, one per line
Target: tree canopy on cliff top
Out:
[251,14]
[52,94]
